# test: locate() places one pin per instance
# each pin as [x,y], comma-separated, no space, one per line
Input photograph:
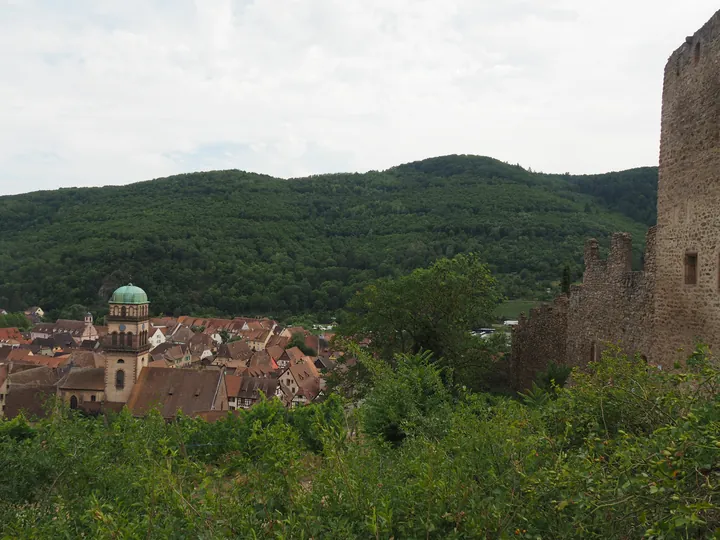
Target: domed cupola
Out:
[129,294]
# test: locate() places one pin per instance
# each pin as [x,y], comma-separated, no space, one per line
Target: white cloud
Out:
[97,92]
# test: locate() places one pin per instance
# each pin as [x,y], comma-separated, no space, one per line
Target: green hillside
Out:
[242,243]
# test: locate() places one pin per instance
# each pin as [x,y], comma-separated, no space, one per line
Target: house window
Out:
[691,260]
[115,339]
[92,397]
[123,311]
[119,379]
[73,402]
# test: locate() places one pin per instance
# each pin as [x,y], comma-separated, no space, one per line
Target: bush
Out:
[627,451]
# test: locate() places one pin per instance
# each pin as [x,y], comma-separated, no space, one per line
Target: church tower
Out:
[126,344]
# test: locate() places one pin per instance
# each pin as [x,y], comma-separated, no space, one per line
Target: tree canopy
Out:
[627,451]
[428,309]
[237,243]
[15,320]
[432,309]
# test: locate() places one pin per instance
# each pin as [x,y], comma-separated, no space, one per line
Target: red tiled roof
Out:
[214,416]
[49,361]
[18,354]
[35,376]
[233,384]
[12,334]
[172,390]
[278,341]
[4,371]
[87,359]
[275,351]
[250,387]
[83,379]
[294,354]
[29,400]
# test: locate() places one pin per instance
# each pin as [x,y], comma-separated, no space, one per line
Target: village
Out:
[203,367]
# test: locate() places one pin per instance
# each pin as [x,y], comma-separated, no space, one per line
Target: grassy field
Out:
[512,308]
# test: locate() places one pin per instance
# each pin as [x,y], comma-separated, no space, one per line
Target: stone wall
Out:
[614,305]
[661,311]
[539,340]
[689,198]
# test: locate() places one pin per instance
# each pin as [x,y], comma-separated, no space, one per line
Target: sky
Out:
[99,92]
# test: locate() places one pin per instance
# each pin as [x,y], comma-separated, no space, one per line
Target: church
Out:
[125,379]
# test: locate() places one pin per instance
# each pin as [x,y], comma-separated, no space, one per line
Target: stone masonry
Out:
[661,311]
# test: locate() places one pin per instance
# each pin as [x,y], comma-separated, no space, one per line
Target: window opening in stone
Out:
[696,57]
[593,352]
[691,268]
[73,402]
[120,379]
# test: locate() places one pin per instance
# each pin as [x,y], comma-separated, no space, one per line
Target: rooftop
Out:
[129,294]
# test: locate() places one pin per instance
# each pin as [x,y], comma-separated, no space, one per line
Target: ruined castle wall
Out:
[614,303]
[539,340]
[689,199]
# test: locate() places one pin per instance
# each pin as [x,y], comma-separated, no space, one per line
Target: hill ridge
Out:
[236,242]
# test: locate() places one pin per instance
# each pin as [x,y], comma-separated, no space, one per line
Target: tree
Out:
[76,312]
[298,340]
[15,320]
[432,309]
[411,400]
[566,280]
[224,335]
[341,233]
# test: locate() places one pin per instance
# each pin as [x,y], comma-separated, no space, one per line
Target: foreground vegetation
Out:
[627,451]
[236,243]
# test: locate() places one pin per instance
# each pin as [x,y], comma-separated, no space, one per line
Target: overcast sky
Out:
[96,92]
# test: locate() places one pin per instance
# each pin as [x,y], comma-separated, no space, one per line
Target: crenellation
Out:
[592,253]
[620,257]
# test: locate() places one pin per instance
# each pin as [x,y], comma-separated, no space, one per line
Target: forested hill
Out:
[242,243]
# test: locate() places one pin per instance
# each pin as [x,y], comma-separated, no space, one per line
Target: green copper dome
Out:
[129,294]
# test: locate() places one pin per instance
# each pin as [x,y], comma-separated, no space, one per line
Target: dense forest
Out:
[627,452]
[231,242]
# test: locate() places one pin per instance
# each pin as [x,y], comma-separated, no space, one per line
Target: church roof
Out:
[90,378]
[172,390]
[129,294]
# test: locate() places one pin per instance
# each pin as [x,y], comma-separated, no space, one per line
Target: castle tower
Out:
[126,344]
[687,288]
